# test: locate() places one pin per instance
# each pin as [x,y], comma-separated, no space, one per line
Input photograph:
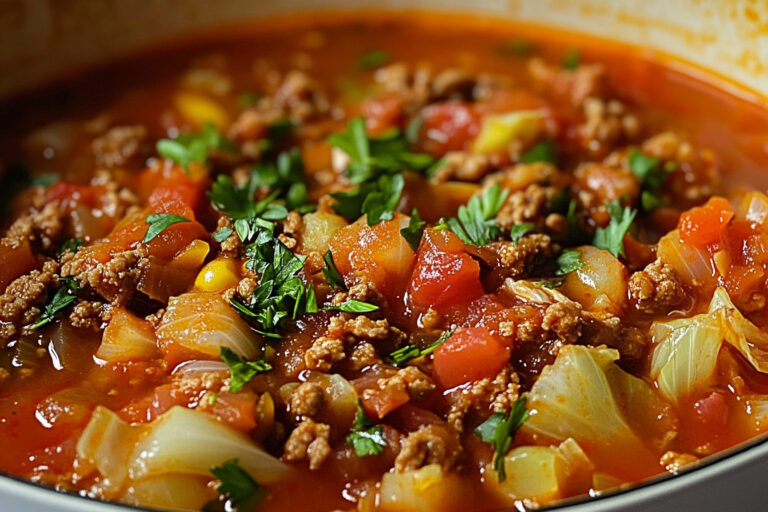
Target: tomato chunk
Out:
[15,261]
[448,127]
[704,225]
[471,353]
[382,113]
[444,274]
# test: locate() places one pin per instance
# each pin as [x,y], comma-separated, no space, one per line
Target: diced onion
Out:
[127,338]
[427,489]
[170,492]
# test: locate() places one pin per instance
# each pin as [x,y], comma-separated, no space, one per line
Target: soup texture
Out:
[380,263]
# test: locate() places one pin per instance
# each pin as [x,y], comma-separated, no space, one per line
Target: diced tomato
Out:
[381,402]
[704,225]
[444,274]
[150,406]
[177,194]
[69,192]
[448,127]
[379,253]
[713,412]
[471,353]
[15,261]
[507,100]
[238,410]
[382,113]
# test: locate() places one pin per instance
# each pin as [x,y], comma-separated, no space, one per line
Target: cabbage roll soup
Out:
[380,263]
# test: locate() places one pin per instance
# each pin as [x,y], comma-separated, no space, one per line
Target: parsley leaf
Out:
[365,437]
[567,262]
[380,203]
[372,60]
[250,217]
[476,222]
[194,147]
[354,306]
[413,231]
[519,230]
[651,174]
[240,370]
[44,180]
[499,431]
[242,491]
[287,176]
[331,273]
[72,245]
[159,222]
[544,151]
[611,237]
[571,61]
[515,47]
[222,233]
[65,295]
[410,352]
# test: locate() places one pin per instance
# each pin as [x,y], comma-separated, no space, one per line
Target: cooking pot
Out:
[728,39]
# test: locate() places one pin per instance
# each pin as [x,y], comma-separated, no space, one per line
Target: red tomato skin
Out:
[382,113]
[448,127]
[471,353]
[704,225]
[444,275]
[712,411]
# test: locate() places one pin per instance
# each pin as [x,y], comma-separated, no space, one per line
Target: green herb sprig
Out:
[241,371]
[499,431]
[365,437]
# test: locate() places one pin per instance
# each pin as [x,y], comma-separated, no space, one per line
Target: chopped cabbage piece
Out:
[426,489]
[499,130]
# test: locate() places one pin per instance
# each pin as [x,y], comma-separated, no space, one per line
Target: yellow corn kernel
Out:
[217,276]
[198,109]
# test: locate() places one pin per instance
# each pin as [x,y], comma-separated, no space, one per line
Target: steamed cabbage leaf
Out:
[686,350]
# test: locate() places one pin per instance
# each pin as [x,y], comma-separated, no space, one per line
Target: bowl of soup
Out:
[472,258]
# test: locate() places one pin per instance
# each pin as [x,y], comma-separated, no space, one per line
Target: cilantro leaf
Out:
[240,489]
[65,295]
[571,61]
[372,60]
[250,217]
[651,175]
[331,273]
[611,237]
[354,306]
[194,147]
[240,370]
[72,245]
[410,352]
[413,231]
[519,230]
[567,262]
[380,204]
[476,222]
[544,151]
[159,222]
[499,431]
[222,233]
[365,437]
[44,180]
[287,176]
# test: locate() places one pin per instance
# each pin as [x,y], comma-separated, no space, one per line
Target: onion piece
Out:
[127,338]
[693,264]
[427,489]
[170,492]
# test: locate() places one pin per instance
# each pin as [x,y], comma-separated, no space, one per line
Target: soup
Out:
[380,263]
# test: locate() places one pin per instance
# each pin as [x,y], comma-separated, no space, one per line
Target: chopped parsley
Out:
[409,352]
[72,245]
[331,273]
[372,60]
[413,231]
[571,61]
[518,231]
[517,47]
[287,176]
[249,217]
[248,99]
[65,295]
[567,262]
[354,306]
[499,431]
[222,233]
[651,175]
[365,437]
[240,490]
[44,180]
[194,147]
[543,151]
[159,222]
[277,132]
[240,370]
[611,237]
[476,222]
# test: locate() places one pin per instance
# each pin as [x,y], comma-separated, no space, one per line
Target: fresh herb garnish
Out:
[517,46]
[571,61]
[72,245]
[372,60]
[413,130]
[277,132]
[159,222]
[248,99]
[249,217]
[413,231]
[354,306]
[65,295]
[365,437]
[543,151]
[476,222]
[331,273]
[567,262]
[611,237]
[518,231]
[222,233]
[44,180]
[499,431]
[240,370]
[410,352]
[194,147]
[651,174]
[241,491]
[287,176]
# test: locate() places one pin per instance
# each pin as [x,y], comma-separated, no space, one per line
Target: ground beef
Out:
[232,246]
[564,320]
[656,288]
[419,85]
[529,205]
[463,166]
[673,462]
[306,400]
[120,145]
[308,441]
[410,380]
[606,124]
[87,315]
[516,260]
[574,86]
[431,444]
[605,329]
[292,227]
[300,97]
[363,291]
[114,280]
[452,84]
[44,228]
[495,394]
[324,353]
[363,355]
[20,304]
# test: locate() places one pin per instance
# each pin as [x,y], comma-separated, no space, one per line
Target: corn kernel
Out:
[199,109]
[217,276]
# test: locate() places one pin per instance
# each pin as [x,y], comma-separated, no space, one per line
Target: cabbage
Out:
[170,492]
[427,489]
[576,397]
[499,130]
[685,353]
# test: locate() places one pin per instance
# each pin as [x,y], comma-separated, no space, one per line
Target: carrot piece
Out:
[704,225]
